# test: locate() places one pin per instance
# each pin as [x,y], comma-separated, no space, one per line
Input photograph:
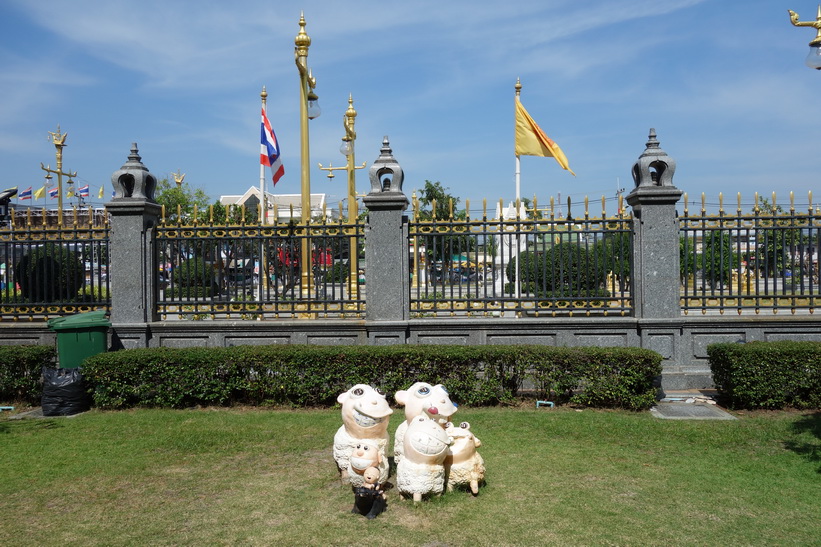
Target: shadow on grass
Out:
[18,426]
[808,424]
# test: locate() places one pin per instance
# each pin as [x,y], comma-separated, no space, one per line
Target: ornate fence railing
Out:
[534,262]
[526,262]
[764,261]
[53,265]
[255,271]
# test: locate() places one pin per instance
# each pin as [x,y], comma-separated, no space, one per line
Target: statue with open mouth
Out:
[365,416]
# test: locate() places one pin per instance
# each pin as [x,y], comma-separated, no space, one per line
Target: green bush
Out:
[21,371]
[565,269]
[338,273]
[193,278]
[316,375]
[49,273]
[767,374]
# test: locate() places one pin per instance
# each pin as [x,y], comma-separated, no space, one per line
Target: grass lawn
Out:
[267,477]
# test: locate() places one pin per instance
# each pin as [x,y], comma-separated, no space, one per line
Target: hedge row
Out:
[21,371]
[767,374]
[315,375]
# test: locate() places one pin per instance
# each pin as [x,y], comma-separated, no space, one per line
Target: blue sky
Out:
[723,82]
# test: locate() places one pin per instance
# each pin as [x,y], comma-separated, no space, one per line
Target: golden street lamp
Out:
[59,140]
[813,59]
[308,109]
[347,150]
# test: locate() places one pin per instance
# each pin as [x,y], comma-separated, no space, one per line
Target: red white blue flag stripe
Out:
[83,191]
[25,194]
[53,192]
[269,150]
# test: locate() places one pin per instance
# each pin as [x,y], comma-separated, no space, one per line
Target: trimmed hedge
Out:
[21,371]
[316,375]
[770,375]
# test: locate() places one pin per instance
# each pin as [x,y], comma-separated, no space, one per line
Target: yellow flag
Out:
[41,193]
[70,193]
[532,141]
[102,190]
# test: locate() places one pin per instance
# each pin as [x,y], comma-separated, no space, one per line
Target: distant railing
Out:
[526,262]
[762,261]
[254,271]
[51,265]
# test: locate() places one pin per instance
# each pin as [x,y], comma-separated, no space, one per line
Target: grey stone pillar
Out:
[133,253]
[386,248]
[655,276]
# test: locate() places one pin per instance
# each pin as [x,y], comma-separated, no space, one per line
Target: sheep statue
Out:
[421,398]
[365,415]
[421,471]
[463,465]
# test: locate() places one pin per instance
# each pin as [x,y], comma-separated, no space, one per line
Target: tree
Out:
[566,269]
[233,214]
[436,205]
[687,258]
[183,198]
[774,243]
[436,201]
[615,253]
[50,273]
[718,257]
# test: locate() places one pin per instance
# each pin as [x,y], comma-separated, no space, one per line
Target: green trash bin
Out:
[80,336]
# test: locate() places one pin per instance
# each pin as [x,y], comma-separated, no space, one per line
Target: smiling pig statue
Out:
[421,470]
[421,398]
[365,415]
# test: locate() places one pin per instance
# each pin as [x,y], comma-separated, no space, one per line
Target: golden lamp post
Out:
[308,110]
[813,59]
[347,150]
[59,140]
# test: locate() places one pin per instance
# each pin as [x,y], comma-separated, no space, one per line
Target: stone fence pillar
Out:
[386,249]
[133,253]
[656,243]
[655,275]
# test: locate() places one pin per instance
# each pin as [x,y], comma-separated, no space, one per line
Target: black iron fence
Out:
[256,271]
[52,265]
[522,261]
[765,260]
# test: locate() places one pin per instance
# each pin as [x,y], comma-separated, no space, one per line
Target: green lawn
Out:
[266,477]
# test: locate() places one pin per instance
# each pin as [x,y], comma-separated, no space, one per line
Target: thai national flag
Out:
[83,191]
[269,149]
[25,194]
[53,193]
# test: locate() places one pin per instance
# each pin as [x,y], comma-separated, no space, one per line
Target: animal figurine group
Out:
[431,452]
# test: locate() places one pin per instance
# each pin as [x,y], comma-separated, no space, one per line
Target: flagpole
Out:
[518,171]
[263,209]
[262,278]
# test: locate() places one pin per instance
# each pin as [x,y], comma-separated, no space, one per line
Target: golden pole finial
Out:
[813,24]
[518,87]
[813,59]
[178,178]
[59,140]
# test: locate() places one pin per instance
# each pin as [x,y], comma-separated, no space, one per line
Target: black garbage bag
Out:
[64,392]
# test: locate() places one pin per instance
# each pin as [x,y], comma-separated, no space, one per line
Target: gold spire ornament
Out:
[59,140]
[813,59]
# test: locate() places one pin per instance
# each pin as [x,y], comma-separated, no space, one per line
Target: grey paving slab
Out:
[689,411]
